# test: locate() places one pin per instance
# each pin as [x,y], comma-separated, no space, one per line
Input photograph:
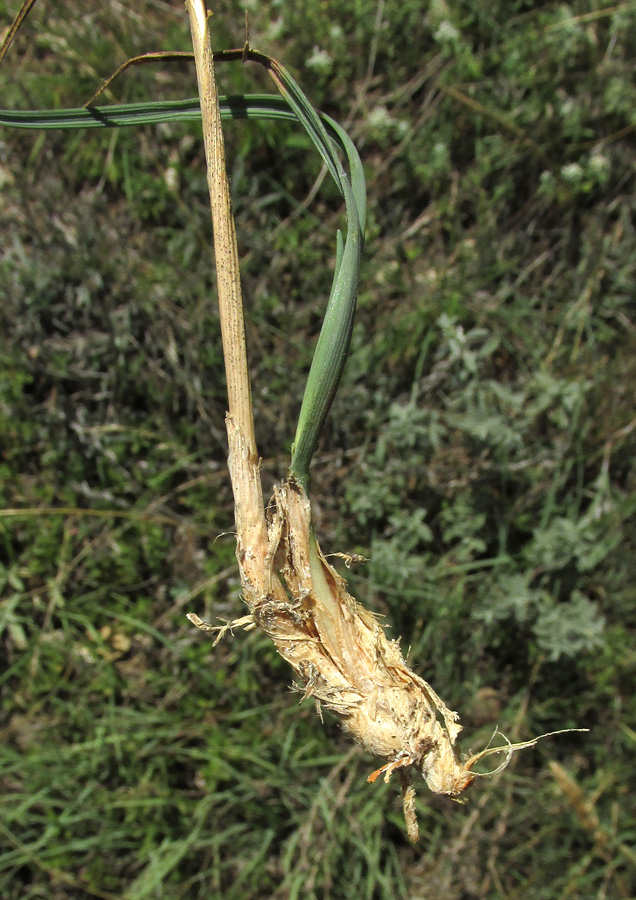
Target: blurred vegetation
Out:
[480,452]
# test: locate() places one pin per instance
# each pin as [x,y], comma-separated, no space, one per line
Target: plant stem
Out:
[225,248]
[246,484]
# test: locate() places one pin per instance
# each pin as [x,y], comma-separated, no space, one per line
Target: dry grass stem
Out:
[225,247]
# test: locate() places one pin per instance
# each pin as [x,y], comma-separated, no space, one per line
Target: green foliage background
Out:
[480,452]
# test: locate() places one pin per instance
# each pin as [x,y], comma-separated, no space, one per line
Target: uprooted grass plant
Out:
[338,650]
[448,392]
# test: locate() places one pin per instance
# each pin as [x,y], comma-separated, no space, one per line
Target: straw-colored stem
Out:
[225,248]
[246,482]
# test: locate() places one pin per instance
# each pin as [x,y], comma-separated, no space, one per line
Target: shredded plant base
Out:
[340,652]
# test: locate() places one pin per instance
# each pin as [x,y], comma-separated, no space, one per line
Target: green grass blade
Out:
[253,106]
[335,335]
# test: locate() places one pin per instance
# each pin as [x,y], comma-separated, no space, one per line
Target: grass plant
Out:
[480,454]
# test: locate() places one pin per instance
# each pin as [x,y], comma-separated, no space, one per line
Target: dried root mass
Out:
[344,659]
[337,648]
